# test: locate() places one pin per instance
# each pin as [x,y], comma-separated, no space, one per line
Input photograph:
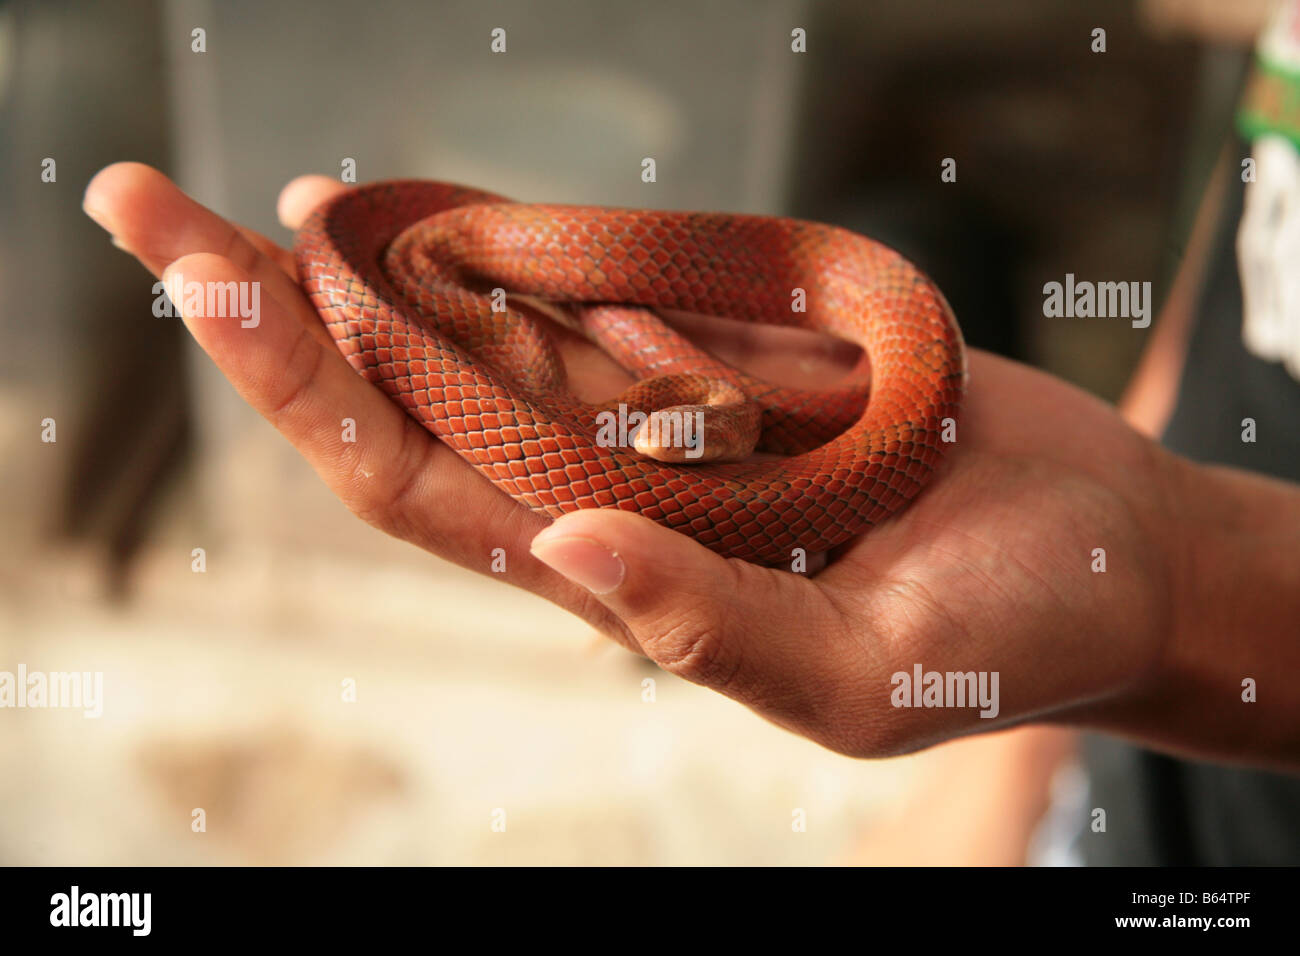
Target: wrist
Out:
[1222,685]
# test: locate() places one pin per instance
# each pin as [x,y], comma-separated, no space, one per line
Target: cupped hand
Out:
[994,568]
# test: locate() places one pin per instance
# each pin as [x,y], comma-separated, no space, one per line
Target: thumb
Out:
[755,634]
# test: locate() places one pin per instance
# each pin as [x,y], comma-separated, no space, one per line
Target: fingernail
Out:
[583,561]
[97,216]
[100,220]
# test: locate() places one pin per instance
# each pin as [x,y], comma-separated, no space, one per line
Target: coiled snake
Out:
[405,273]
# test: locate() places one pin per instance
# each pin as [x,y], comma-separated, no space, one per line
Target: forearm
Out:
[1235,553]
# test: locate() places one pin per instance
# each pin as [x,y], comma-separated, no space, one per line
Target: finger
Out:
[395,474]
[795,357]
[766,638]
[152,219]
[302,196]
[281,256]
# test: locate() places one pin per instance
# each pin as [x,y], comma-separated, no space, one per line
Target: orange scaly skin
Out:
[402,273]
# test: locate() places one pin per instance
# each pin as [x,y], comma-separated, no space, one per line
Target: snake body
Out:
[404,275]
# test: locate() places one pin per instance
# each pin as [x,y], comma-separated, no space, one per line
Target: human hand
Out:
[988,570]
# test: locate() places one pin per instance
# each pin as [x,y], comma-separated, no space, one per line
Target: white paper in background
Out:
[1268,239]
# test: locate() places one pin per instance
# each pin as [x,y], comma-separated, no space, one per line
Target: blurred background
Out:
[223,689]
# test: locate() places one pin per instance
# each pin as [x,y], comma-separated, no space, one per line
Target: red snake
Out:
[406,276]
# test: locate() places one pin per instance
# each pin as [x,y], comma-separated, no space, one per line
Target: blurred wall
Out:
[81,85]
